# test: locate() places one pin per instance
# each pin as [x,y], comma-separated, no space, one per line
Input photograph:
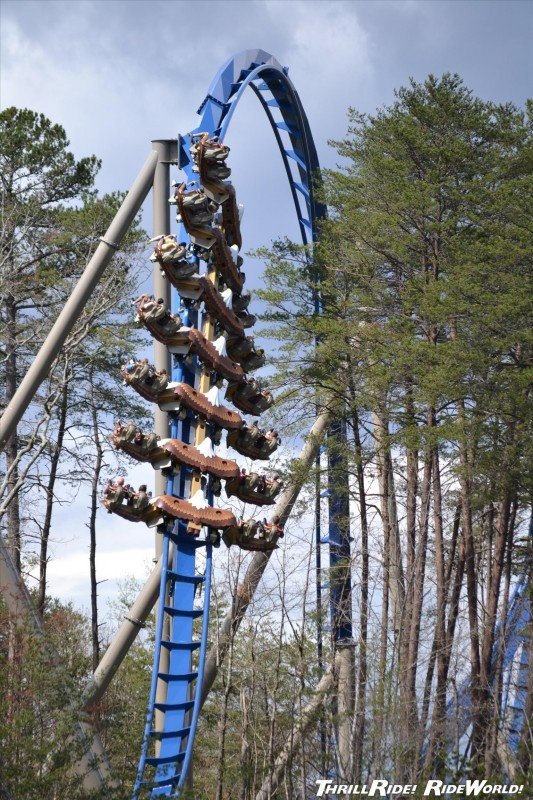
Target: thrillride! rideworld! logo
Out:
[432,788]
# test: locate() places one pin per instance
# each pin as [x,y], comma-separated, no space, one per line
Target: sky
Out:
[118,74]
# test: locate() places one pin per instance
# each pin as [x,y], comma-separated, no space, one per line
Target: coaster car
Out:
[192,456]
[197,211]
[212,518]
[254,488]
[140,507]
[181,339]
[189,288]
[217,308]
[254,535]
[154,313]
[164,326]
[150,383]
[241,302]
[170,454]
[231,223]
[222,260]
[210,156]
[121,499]
[172,258]
[242,350]
[249,397]
[190,398]
[141,446]
[213,149]
[252,442]
[247,320]
[209,355]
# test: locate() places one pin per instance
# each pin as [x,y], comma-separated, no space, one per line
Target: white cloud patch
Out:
[330,56]
[68,574]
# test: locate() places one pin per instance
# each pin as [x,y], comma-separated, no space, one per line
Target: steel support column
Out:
[167,152]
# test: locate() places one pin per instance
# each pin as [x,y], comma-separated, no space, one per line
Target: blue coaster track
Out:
[167,753]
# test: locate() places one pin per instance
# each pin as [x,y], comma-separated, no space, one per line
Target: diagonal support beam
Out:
[309,716]
[78,299]
[259,562]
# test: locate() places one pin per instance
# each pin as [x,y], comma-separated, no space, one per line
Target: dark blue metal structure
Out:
[182,586]
[514,641]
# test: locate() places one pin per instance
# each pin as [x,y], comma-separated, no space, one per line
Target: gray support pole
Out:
[296,740]
[167,151]
[93,764]
[258,564]
[78,299]
[127,633]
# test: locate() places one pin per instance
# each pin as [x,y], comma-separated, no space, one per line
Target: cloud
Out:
[68,574]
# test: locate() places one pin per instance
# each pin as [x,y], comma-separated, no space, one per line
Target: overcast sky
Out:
[117,74]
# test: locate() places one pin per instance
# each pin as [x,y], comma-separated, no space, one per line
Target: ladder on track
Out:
[166,755]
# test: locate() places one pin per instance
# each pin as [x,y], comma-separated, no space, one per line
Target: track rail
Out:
[166,754]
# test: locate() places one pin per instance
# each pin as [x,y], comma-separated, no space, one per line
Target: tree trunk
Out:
[11,448]
[245,746]
[379,716]
[494,733]
[389,515]
[222,726]
[359,727]
[487,709]
[471,592]
[451,602]
[439,711]
[47,524]
[409,730]
[95,481]
[525,748]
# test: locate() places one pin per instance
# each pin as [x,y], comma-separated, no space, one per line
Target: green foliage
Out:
[40,179]
[52,221]
[423,346]
[425,270]
[36,717]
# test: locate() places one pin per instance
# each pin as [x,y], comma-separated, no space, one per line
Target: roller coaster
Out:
[210,348]
[203,351]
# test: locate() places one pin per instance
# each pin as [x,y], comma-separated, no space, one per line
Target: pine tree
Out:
[39,176]
[425,269]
